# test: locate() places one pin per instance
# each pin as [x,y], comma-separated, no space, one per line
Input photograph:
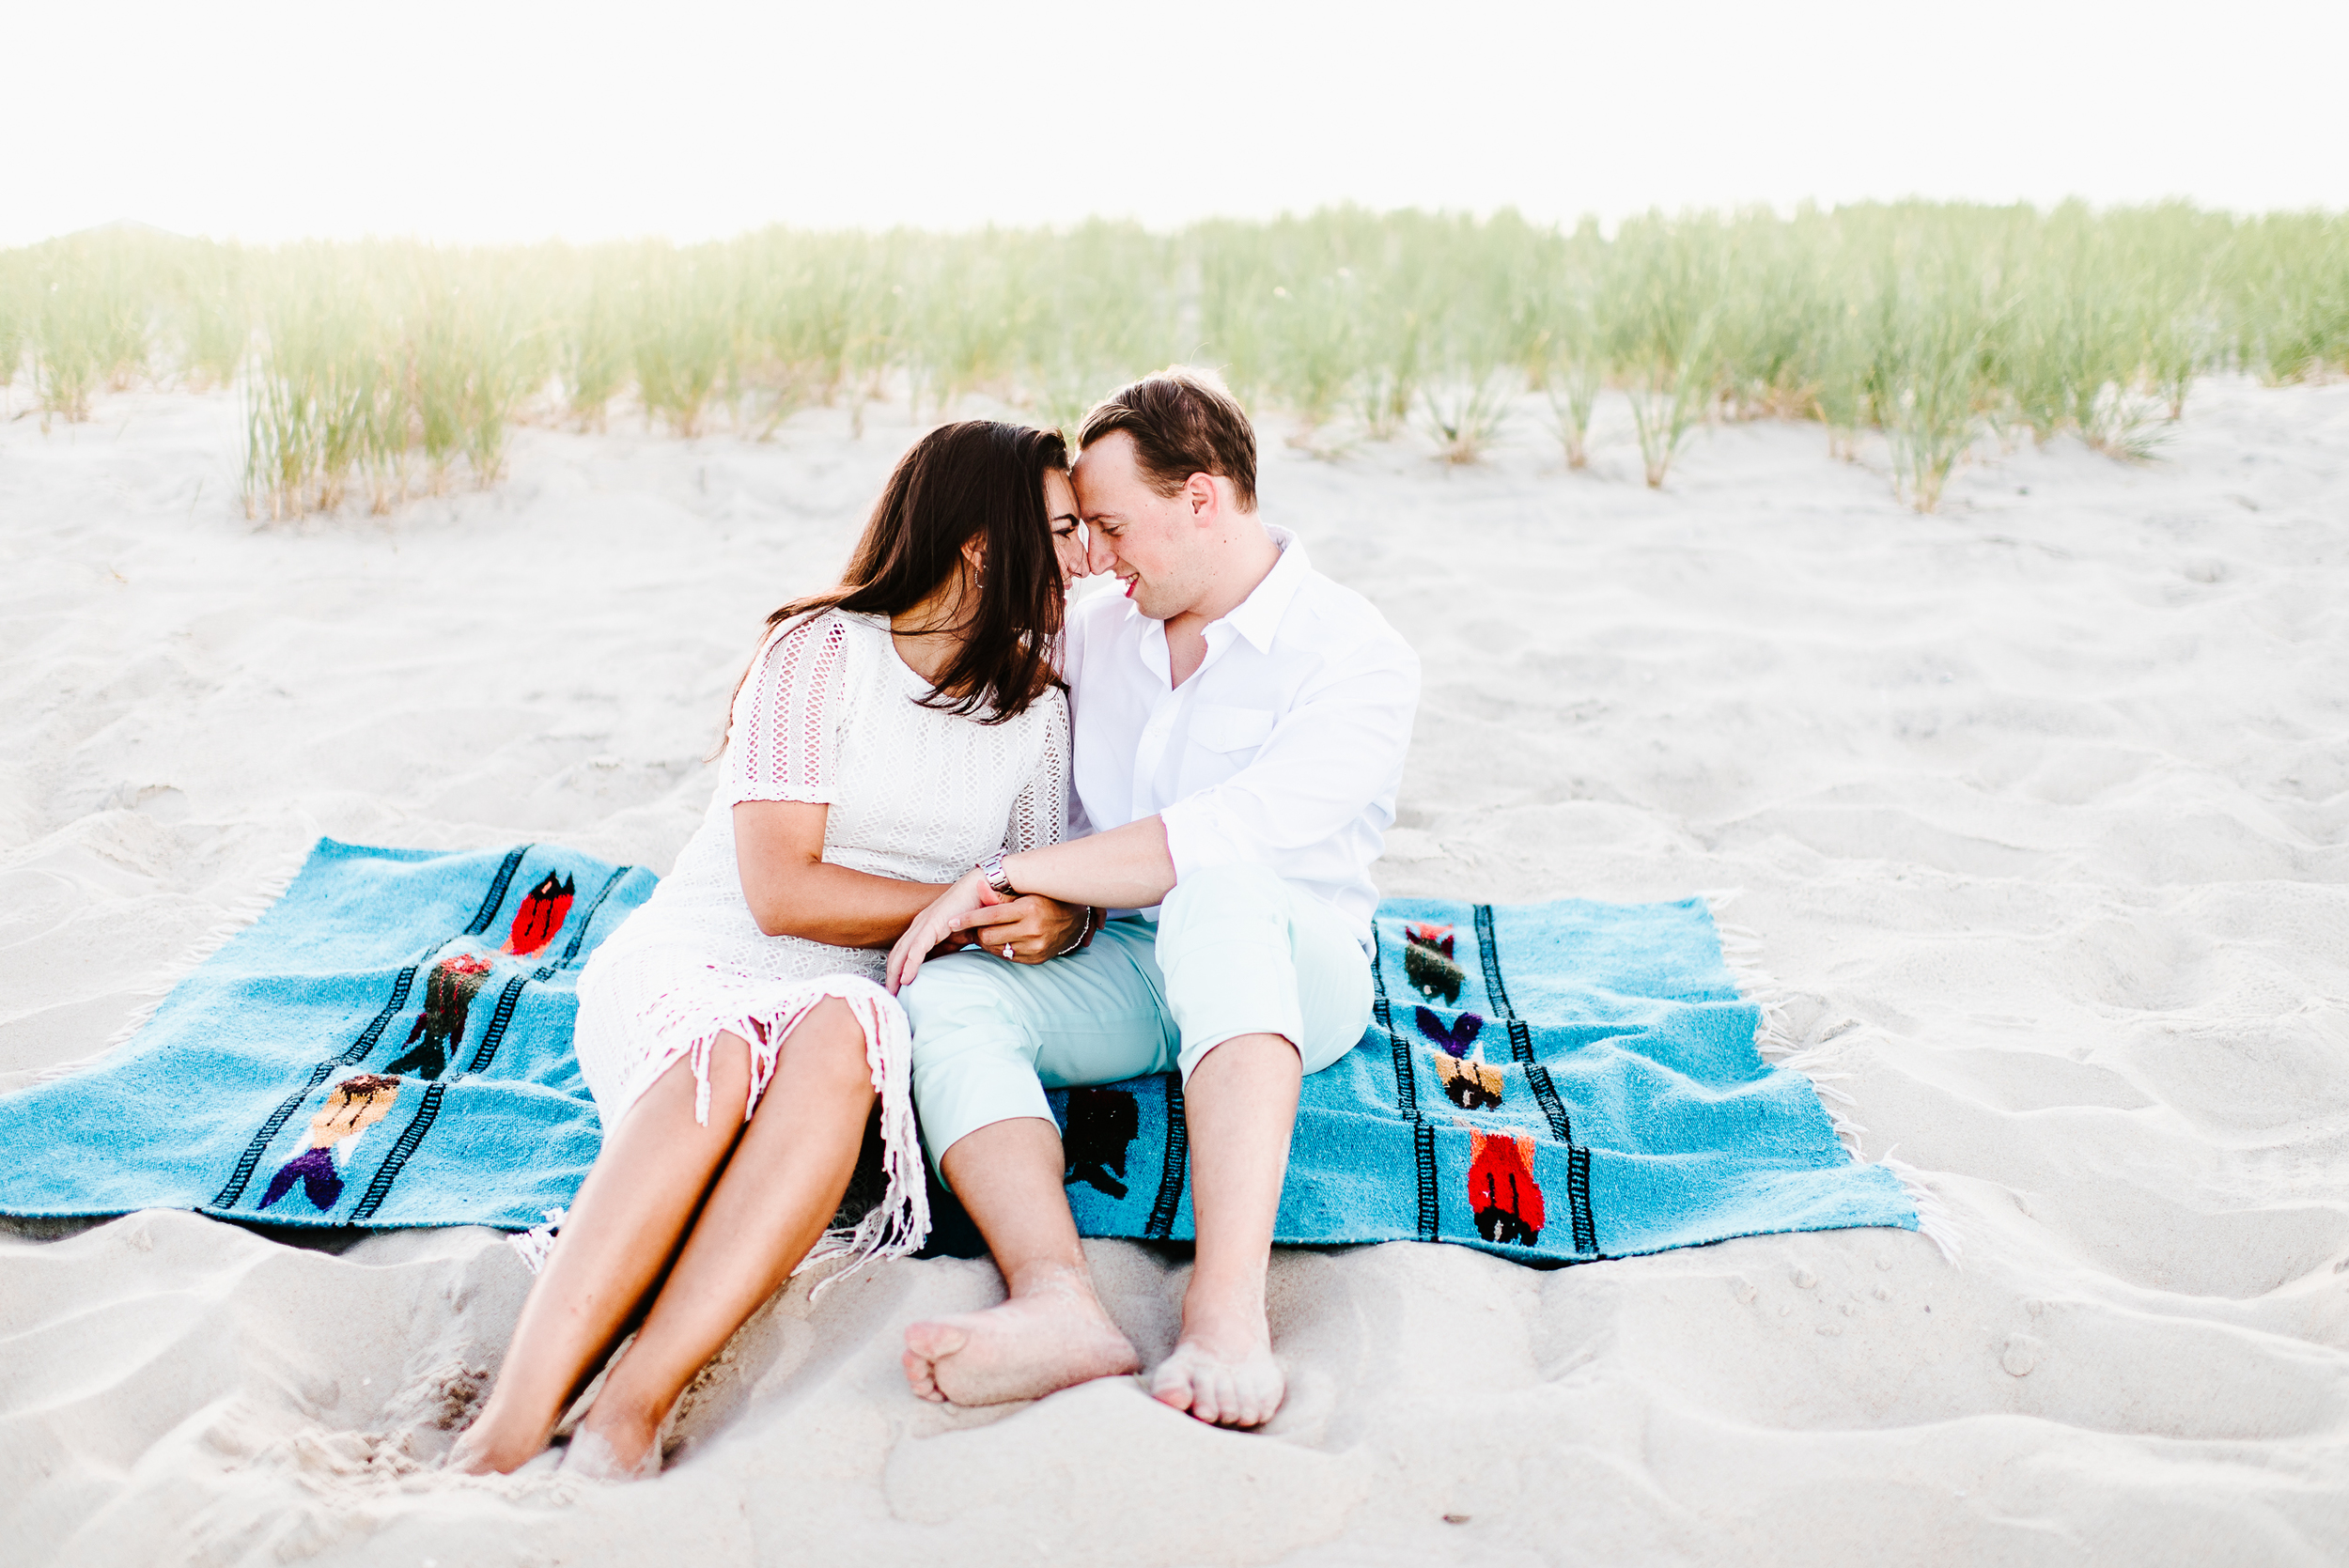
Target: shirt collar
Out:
[1258,617]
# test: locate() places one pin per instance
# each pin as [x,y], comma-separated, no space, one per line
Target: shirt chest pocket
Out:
[1233,732]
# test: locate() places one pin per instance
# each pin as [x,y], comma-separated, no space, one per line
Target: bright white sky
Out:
[513,120]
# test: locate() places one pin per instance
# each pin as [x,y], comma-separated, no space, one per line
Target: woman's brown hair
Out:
[975,480]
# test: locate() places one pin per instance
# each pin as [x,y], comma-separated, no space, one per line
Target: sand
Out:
[2041,807]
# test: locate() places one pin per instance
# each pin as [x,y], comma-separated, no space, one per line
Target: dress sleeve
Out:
[1040,816]
[783,740]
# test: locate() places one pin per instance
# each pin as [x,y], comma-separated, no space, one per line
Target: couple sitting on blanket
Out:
[964,850]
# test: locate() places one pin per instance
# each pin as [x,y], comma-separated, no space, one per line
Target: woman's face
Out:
[1060,509]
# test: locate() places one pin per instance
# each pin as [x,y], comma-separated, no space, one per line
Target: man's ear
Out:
[1199,490]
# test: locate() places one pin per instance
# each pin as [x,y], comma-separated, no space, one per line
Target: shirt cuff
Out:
[1198,837]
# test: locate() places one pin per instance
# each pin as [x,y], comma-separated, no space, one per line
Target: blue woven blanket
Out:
[1557,1081]
[389,1045]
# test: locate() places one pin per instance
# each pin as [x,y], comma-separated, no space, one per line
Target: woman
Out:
[886,738]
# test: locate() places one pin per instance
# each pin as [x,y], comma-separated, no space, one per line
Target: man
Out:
[1240,728]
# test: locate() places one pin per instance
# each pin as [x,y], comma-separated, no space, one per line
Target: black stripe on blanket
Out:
[1406,1076]
[1520,1033]
[1423,1150]
[1407,1098]
[389,1173]
[496,897]
[1175,1167]
[1579,1200]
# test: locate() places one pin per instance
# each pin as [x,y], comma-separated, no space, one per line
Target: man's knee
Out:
[1218,894]
[1252,954]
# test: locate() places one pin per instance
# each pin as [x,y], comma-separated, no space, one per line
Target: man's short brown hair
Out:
[1183,422]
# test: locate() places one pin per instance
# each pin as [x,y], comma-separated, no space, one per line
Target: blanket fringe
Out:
[1775,1041]
[233,921]
[1935,1221]
[536,1244]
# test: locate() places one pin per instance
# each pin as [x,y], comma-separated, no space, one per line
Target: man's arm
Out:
[1125,868]
[1329,758]
[1338,750]
[1341,748]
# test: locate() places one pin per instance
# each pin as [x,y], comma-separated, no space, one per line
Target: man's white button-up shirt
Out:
[1283,750]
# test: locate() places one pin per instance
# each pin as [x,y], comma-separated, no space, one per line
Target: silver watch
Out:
[992,869]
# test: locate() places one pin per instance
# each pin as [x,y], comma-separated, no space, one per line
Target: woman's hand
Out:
[941,923]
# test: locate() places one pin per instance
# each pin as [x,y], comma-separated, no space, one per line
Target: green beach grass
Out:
[373,371]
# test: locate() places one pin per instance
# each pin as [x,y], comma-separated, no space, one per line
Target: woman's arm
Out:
[794,891]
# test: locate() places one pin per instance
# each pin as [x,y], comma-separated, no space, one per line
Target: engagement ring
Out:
[1008,949]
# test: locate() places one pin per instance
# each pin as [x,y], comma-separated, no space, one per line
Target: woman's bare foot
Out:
[1048,1338]
[487,1446]
[610,1447]
[591,1456]
[1223,1372]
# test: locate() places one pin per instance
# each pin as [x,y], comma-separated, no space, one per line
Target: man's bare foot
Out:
[1223,1372]
[1049,1338]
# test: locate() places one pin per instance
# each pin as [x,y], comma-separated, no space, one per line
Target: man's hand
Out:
[1034,927]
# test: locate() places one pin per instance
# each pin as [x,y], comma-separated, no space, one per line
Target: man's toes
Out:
[920,1376]
[1211,1395]
[1172,1387]
[931,1341]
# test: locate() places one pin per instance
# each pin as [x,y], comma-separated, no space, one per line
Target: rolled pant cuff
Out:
[957,1099]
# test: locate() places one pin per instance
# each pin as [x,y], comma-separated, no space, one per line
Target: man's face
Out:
[1149,540]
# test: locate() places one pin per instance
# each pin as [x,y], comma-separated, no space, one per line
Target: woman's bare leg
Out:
[777,1194]
[622,1229]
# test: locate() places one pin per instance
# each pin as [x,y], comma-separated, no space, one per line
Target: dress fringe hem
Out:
[900,1222]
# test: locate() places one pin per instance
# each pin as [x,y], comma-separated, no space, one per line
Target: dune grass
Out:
[375,371]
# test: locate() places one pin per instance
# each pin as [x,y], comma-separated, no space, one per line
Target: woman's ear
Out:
[974,554]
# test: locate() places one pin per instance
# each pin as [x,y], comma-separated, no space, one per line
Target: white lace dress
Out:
[829,713]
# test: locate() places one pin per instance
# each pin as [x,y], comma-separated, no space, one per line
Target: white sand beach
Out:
[2040,807]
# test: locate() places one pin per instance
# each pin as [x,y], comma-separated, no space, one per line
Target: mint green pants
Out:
[1235,951]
